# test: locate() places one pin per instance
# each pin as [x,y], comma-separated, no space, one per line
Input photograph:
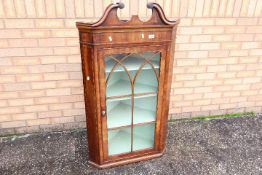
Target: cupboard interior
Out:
[132,87]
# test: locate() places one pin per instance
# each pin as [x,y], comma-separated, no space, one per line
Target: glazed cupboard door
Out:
[131,81]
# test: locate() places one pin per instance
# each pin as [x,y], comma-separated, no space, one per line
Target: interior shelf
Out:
[123,87]
[119,113]
[119,116]
[137,96]
[119,141]
[143,137]
[142,143]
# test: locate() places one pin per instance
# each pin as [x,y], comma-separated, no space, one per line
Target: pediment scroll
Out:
[110,17]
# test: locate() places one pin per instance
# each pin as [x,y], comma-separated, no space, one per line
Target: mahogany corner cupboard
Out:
[127,72]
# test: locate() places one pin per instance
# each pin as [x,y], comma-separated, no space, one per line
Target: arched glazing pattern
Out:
[118,79]
[131,99]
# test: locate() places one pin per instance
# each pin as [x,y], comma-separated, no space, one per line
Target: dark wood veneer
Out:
[110,35]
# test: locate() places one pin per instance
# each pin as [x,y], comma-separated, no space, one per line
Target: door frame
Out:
[101,53]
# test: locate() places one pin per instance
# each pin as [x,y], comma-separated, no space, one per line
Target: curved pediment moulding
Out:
[110,18]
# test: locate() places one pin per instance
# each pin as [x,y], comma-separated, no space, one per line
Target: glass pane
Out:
[154,58]
[133,62]
[145,109]
[156,63]
[111,62]
[119,141]
[146,82]
[118,84]
[147,79]
[122,70]
[143,136]
[119,112]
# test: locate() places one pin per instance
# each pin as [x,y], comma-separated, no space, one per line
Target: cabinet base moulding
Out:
[127,161]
